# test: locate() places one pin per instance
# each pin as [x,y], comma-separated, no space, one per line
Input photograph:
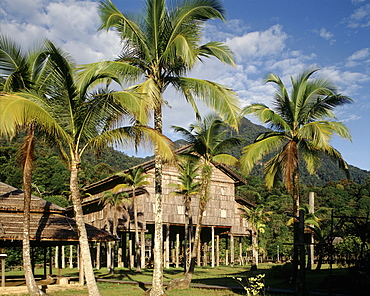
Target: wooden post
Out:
[205,257]
[45,259]
[177,249]
[50,261]
[119,253]
[142,256]
[241,251]
[232,255]
[56,261]
[311,204]
[63,257]
[3,268]
[70,256]
[167,246]
[213,246]
[130,249]
[98,257]
[124,249]
[227,251]
[60,261]
[217,250]
[198,253]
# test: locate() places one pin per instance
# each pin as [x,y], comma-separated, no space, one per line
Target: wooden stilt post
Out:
[119,253]
[232,249]
[56,261]
[60,261]
[98,257]
[227,251]
[142,256]
[241,251]
[217,250]
[70,256]
[50,261]
[130,250]
[167,246]
[45,260]
[177,249]
[63,257]
[198,253]
[213,246]
[205,250]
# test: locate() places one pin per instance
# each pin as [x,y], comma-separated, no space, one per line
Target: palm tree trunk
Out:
[26,246]
[157,281]
[82,233]
[186,239]
[296,228]
[137,242]
[254,237]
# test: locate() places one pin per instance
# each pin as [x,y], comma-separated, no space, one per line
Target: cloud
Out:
[360,17]
[323,33]
[259,44]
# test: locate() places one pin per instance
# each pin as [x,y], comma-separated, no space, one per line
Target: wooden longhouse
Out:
[222,218]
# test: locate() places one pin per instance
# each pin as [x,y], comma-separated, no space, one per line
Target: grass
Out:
[340,280]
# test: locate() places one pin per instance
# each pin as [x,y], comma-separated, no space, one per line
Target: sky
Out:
[267,36]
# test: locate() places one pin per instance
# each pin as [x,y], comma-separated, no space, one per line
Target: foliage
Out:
[253,285]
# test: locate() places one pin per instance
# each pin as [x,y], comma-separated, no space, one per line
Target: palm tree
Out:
[22,71]
[115,200]
[188,187]
[256,218]
[160,47]
[135,179]
[208,143]
[302,125]
[81,120]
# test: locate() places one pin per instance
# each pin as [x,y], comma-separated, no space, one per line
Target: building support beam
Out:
[142,245]
[213,246]
[177,249]
[232,250]
[217,250]
[167,247]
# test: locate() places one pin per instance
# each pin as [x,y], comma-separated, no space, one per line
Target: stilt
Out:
[167,246]
[217,250]
[205,250]
[177,249]
[232,249]
[56,261]
[310,259]
[45,261]
[63,257]
[70,256]
[98,257]
[119,253]
[124,250]
[198,253]
[227,251]
[78,257]
[60,264]
[142,256]
[241,261]
[130,251]
[213,246]
[50,261]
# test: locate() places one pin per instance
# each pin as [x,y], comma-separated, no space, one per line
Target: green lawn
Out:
[341,280]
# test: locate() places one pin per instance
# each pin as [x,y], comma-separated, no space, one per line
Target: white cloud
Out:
[323,33]
[360,54]
[360,17]
[259,44]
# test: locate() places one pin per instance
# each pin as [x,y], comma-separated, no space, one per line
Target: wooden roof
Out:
[49,225]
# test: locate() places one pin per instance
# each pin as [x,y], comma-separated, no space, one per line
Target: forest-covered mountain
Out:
[51,175]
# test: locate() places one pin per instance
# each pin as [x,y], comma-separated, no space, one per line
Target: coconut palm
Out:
[187,187]
[256,219]
[115,200]
[135,179]
[208,143]
[80,120]
[20,71]
[162,45]
[302,125]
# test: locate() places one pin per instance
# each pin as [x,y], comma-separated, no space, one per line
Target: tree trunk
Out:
[26,246]
[82,233]
[157,281]
[187,237]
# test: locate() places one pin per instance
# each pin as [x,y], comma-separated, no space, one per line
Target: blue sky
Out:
[282,37]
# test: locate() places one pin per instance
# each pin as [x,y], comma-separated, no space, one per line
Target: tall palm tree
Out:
[187,187]
[81,120]
[22,71]
[208,143]
[135,179]
[160,46]
[256,218]
[115,200]
[302,125]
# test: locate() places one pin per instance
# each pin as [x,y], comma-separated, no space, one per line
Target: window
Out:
[223,214]
[180,210]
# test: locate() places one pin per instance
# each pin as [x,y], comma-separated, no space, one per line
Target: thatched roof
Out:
[49,225]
